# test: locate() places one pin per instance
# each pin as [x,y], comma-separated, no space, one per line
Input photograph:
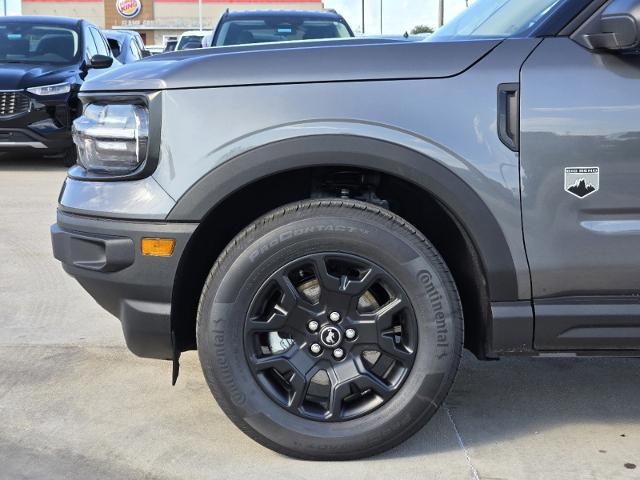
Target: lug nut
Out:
[316,348]
[338,353]
[313,325]
[334,316]
[350,333]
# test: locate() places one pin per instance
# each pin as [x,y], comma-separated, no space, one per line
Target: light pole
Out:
[363,17]
[4,7]
[440,13]
[199,13]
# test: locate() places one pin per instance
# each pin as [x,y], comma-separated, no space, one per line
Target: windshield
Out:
[279,29]
[496,19]
[32,43]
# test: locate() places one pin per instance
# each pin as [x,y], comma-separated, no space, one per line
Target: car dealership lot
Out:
[75,403]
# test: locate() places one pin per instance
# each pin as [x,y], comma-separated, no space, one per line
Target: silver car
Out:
[127,46]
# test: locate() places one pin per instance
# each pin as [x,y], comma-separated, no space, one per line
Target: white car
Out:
[155,49]
[207,40]
[190,39]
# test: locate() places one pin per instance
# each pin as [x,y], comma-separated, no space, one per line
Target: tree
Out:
[418,29]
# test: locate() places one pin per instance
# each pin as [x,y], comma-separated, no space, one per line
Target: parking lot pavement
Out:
[75,404]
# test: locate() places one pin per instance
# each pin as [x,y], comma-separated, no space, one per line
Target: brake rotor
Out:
[310,290]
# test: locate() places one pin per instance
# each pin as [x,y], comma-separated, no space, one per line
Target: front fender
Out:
[436,177]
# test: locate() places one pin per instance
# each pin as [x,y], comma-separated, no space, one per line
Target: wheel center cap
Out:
[330,336]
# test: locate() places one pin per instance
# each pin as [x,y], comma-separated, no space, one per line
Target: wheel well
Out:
[417,206]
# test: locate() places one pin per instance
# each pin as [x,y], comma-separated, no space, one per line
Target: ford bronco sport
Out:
[331,222]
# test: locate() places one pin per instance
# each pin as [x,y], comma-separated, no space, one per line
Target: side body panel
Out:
[581,109]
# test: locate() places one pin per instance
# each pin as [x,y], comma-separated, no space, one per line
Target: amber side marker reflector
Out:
[158,247]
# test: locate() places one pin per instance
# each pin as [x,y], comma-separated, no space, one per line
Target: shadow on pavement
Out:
[496,402]
[20,163]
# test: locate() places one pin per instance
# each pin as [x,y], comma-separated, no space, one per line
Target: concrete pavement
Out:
[75,404]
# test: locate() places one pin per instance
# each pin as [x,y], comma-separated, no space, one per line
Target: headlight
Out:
[112,138]
[57,89]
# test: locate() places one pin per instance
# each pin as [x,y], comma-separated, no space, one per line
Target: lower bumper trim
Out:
[145,326]
[22,145]
[102,253]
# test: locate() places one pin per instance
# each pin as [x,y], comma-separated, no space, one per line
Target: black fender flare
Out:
[462,202]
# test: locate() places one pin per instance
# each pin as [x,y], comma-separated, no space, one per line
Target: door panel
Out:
[580,111]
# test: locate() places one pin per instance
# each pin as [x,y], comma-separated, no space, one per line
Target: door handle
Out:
[509,115]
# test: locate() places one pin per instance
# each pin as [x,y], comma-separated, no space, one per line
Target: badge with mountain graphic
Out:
[581,181]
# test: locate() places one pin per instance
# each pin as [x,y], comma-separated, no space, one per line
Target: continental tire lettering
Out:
[224,368]
[297,232]
[435,299]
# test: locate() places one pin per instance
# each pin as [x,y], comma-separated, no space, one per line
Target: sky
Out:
[398,16]
[12,6]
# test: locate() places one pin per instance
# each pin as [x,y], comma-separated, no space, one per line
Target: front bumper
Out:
[22,139]
[44,128]
[105,257]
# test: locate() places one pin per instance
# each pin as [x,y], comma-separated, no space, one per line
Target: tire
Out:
[70,156]
[343,247]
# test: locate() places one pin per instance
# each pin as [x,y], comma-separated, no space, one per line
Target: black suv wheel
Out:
[70,157]
[330,330]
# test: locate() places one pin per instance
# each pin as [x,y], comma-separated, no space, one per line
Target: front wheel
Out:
[330,329]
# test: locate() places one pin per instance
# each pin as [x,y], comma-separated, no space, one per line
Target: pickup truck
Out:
[264,26]
[331,222]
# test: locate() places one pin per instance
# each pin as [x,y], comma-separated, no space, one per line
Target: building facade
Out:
[156,19]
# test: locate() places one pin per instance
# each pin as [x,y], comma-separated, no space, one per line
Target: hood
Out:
[18,76]
[295,62]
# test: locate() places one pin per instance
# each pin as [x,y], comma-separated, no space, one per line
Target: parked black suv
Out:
[43,62]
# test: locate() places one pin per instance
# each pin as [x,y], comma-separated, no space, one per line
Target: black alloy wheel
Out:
[330,336]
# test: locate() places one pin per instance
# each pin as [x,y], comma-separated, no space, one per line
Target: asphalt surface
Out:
[75,404]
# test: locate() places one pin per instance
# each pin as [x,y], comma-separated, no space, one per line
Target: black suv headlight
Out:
[112,138]
[45,90]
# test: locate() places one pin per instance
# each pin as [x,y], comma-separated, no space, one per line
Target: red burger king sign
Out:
[128,8]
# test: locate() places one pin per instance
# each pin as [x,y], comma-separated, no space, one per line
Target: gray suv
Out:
[331,222]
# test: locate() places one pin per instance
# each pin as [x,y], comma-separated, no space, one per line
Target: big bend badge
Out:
[581,181]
